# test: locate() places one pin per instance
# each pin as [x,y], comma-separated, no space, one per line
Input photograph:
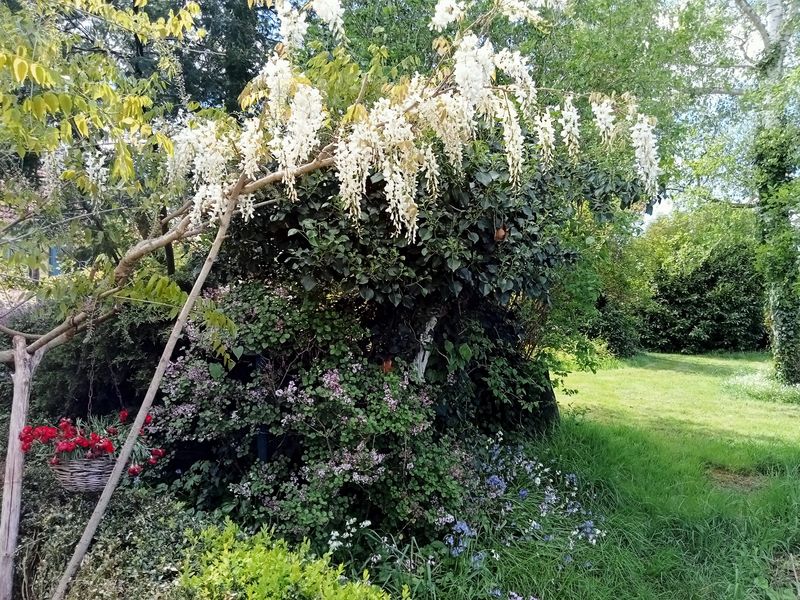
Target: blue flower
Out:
[497,485]
[496,592]
[523,493]
[477,559]
[461,528]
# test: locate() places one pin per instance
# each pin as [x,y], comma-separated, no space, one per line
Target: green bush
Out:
[136,553]
[707,292]
[224,564]
[717,305]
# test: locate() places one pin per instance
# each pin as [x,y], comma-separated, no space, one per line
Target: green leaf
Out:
[309,283]
[216,371]
[465,351]
[484,177]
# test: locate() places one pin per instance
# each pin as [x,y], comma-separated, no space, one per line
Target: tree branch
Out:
[12,332]
[715,91]
[323,160]
[751,15]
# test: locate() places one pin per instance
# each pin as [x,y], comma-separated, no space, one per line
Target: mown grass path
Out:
[699,484]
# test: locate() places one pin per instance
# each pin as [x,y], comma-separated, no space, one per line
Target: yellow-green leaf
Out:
[81,124]
[52,102]
[20,69]
[66,103]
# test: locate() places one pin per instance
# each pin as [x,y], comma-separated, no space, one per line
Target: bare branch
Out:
[13,332]
[713,91]
[751,15]
[323,160]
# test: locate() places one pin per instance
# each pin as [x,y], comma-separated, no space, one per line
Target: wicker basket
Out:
[83,474]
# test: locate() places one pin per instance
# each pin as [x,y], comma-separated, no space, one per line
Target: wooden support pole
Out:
[24,366]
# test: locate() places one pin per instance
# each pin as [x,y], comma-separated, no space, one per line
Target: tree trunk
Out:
[24,366]
[125,453]
[784,308]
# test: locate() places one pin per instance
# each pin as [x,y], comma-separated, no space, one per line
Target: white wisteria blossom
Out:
[447,12]
[474,68]
[431,167]
[645,148]
[603,112]
[331,13]
[293,143]
[247,206]
[506,113]
[570,128]
[293,25]
[546,135]
[203,149]
[94,165]
[274,84]
[398,136]
[517,68]
[251,147]
[517,11]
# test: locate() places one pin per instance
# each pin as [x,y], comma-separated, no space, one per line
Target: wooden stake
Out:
[127,448]
[24,366]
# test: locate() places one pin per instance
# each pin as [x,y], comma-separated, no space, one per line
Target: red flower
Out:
[105,445]
[82,442]
[112,430]
[67,429]
[54,460]
[123,415]
[44,434]
[157,452]
[27,430]
[134,470]
[148,419]
[152,460]
[65,446]
[26,446]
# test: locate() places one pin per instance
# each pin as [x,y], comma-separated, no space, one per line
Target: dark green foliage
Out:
[707,292]
[239,41]
[102,371]
[618,324]
[137,552]
[718,305]
[777,157]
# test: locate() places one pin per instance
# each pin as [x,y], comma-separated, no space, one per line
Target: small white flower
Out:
[331,13]
[447,11]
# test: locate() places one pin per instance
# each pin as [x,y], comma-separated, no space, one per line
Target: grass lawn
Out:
[699,486]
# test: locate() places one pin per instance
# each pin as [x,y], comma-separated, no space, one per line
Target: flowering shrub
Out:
[94,438]
[345,440]
[519,505]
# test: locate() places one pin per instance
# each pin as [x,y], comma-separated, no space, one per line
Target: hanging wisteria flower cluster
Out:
[404,134]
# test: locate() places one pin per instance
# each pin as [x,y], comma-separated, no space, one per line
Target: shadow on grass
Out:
[722,365]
